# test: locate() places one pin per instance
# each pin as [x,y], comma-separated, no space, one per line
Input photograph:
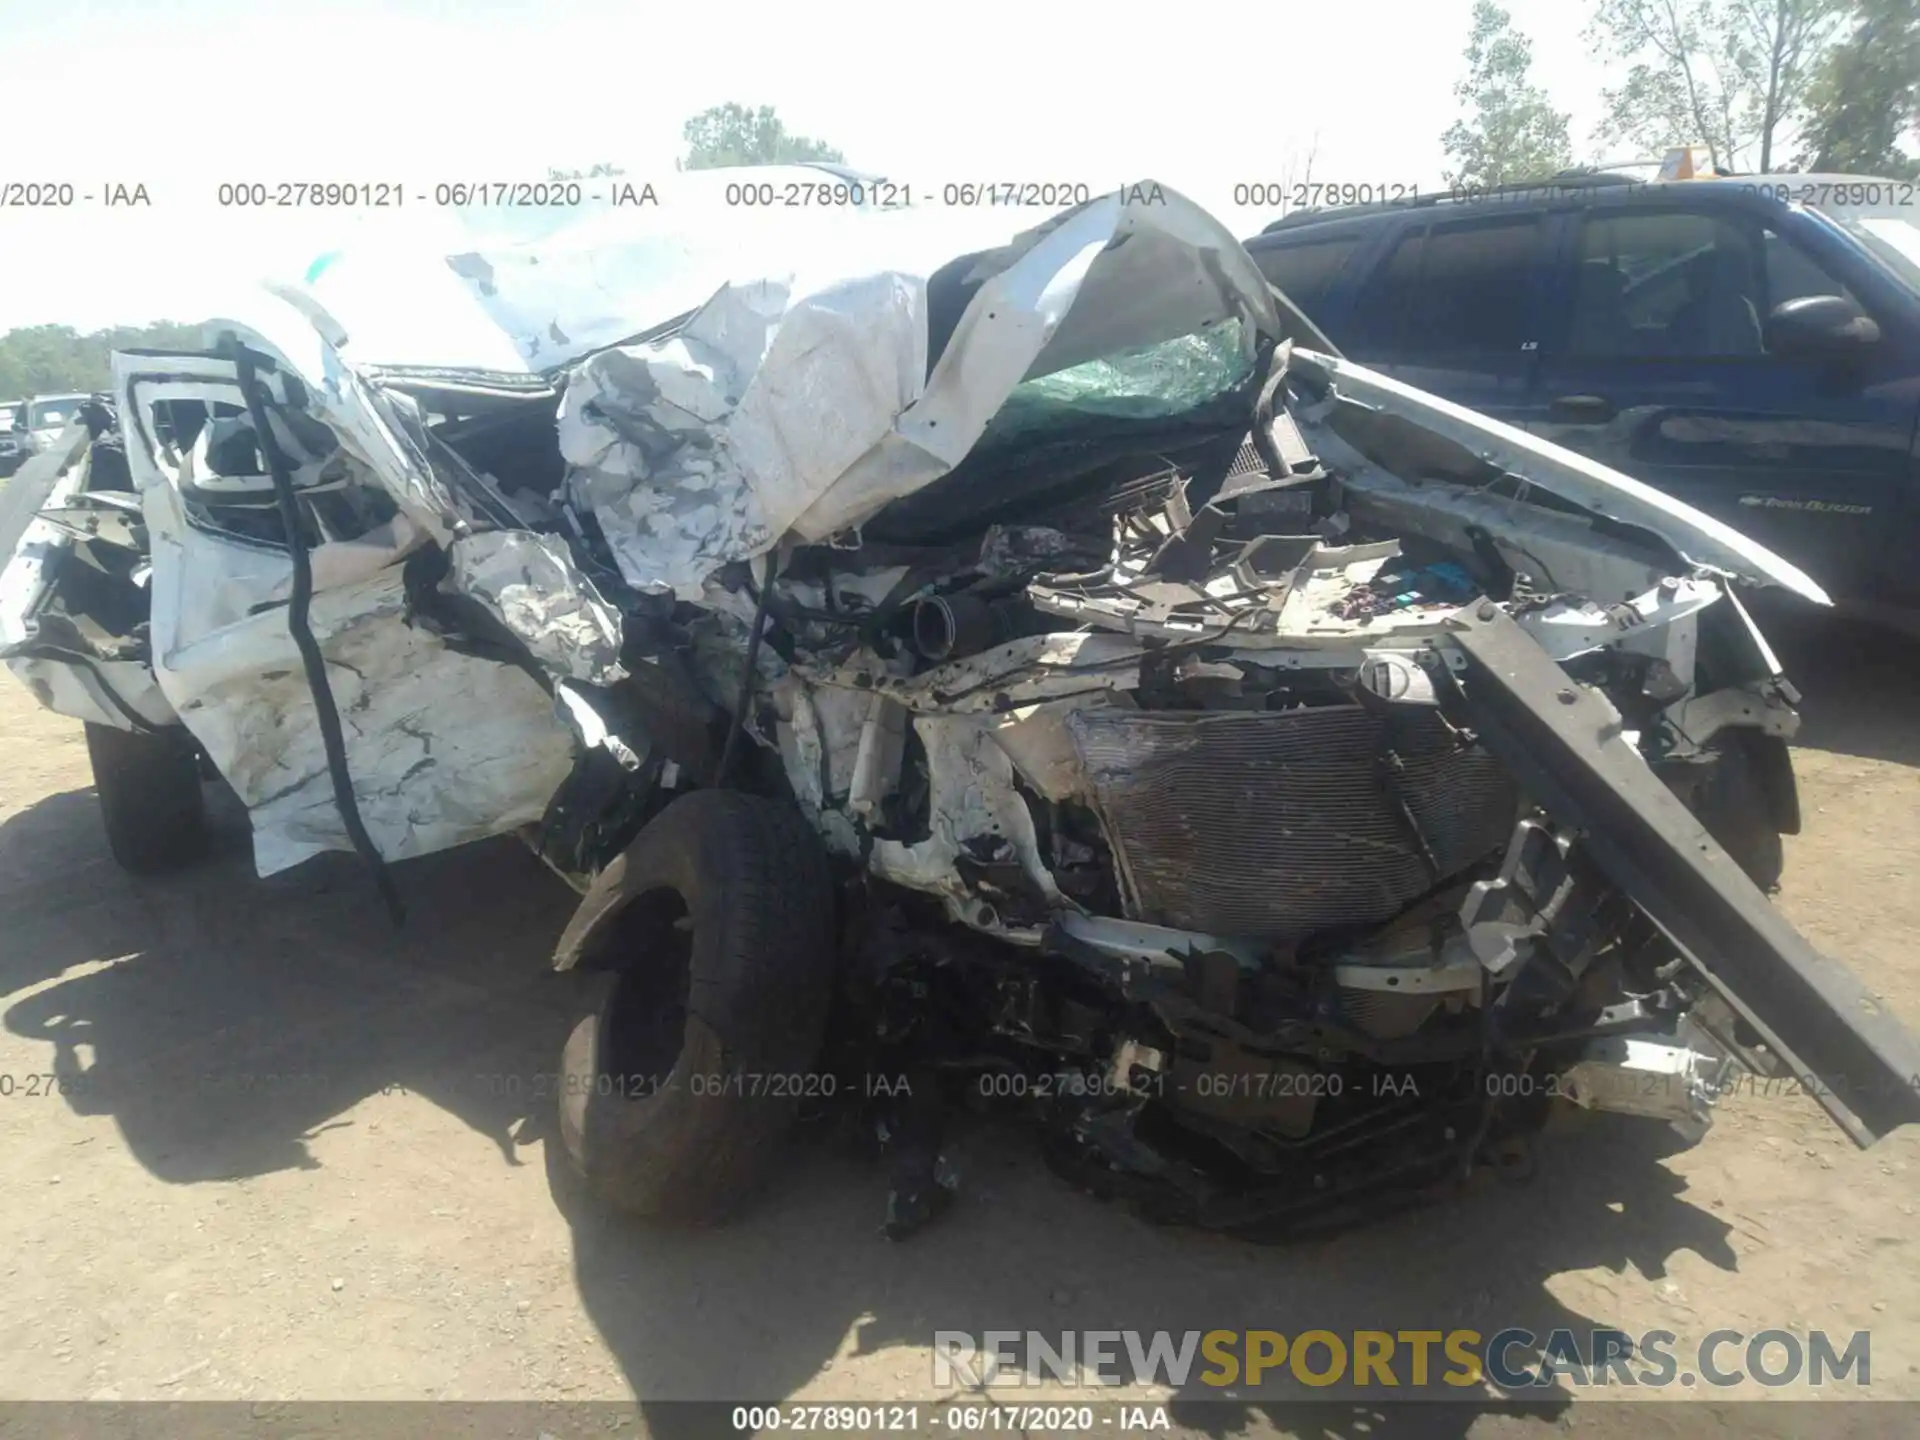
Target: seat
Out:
[1718,317]
[1599,310]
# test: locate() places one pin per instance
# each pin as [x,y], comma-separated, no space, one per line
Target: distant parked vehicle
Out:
[12,451]
[1747,344]
[41,419]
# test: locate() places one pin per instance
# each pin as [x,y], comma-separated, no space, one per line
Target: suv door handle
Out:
[1582,409]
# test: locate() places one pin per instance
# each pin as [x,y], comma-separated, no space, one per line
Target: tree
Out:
[731,134]
[52,359]
[1774,46]
[1724,73]
[1296,172]
[1511,132]
[1866,94]
[1678,91]
[594,172]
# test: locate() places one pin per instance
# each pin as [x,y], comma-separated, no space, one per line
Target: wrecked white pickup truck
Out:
[1043,671]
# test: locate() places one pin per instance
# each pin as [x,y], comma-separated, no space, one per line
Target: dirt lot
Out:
[295,1154]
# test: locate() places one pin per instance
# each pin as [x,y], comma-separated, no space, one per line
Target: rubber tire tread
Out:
[151,803]
[755,880]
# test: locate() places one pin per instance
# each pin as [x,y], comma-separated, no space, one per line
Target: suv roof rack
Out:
[1576,179]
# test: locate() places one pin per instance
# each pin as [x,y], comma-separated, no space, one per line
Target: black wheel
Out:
[1738,805]
[150,798]
[675,1095]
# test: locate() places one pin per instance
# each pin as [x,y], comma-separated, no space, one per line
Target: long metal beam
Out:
[1563,741]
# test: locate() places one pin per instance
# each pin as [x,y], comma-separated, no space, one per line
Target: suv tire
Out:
[675,1094]
[1738,810]
[148,784]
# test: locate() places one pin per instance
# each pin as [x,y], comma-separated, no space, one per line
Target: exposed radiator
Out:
[1280,824]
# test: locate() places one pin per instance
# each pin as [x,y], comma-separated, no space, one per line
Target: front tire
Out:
[675,1094]
[1739,808]
[148,784]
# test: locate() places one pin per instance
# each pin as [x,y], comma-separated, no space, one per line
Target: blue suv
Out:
[1750,345]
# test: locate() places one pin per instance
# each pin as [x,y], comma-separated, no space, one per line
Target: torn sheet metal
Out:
[708,447]
[974,813]
[504,308]
[443,747]
[1037,740]
[31,486]
[1020,672]
[801,403]
[1566,627]
[112,518]
[533,587]
[841,744]
[302,339]
[101,691]
[1558,551]
[819,737]
[1700,538]
[207,583]
[24,570]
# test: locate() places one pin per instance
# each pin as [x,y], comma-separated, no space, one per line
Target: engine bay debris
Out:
[1189,723]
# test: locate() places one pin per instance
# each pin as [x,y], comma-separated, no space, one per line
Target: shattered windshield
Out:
[1168,380]
[1056,427]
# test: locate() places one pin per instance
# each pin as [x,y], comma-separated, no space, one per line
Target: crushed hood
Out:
[803,403]
[445,300]
[807,375]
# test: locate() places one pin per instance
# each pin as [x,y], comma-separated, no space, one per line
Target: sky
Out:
[181,96]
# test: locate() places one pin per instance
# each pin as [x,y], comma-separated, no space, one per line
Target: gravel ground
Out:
[290,1154]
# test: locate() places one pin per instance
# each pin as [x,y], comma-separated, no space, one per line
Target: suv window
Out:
[1665,284]
[1792,273]
[1679,286]
[1307,272]
[1381,307]
[1459,288]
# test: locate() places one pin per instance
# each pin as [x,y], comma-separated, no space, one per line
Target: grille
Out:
[1280,824]
[1247,461]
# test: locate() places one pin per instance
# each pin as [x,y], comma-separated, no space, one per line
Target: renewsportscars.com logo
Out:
[1510,1359]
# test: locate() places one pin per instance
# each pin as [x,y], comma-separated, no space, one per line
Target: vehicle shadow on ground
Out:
[803,1283]
[221,1020]
[1859,683]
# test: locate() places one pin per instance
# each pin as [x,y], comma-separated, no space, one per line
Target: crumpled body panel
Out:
[803,404]
[821,381]
[443,747]
[534,589]
[709,446]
